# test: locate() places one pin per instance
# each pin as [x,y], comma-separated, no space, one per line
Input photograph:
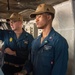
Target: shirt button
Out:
[50,38]
[51,62]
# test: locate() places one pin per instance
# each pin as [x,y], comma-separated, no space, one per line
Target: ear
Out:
[21,22]
[49,17]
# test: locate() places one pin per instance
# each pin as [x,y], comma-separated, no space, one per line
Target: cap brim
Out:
[10,19]
[7,19]
[33,15]
[13,19]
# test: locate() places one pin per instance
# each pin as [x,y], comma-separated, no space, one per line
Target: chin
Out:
[40,27]
[12,29]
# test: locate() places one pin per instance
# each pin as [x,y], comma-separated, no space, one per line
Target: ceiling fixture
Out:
[8,7]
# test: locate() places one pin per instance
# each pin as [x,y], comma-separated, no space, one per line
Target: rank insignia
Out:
[45,41]
[11,39]
[46,47]
[26,42]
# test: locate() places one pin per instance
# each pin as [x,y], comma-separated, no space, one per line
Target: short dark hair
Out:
[50,14]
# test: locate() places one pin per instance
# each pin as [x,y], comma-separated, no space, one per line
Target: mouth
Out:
[12,27]
[37,23]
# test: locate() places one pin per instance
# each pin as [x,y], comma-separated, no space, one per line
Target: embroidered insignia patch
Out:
[11,39]
[26,42]
[47,47]
[45,41]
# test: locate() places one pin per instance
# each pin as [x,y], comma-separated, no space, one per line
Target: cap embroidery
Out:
[40,5]
[19,18]
[47,9]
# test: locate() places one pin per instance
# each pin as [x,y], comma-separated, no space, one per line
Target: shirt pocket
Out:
[23,44]
[47,50]
[47,55]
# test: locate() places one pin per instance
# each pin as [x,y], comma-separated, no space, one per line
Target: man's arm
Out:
[61,58]
[10,52]
[28,65]
[2,34]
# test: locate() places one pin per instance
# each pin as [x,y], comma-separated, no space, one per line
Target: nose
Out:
[37,19]
[11,23]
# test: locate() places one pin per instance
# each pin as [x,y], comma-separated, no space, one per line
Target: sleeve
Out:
[28,65]
[61,58]
[2,33]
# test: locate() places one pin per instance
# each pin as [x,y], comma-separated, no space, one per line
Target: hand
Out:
[9,51]
[23,72]
[18,74]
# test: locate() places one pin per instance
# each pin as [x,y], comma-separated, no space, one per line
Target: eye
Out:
[38,16]
[11,22]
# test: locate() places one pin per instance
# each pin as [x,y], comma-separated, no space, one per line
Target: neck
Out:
[46,31]
[18,32]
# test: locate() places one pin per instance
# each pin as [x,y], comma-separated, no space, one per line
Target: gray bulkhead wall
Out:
[64,24]
[73,9]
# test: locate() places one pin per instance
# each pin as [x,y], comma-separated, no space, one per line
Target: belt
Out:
[15,65]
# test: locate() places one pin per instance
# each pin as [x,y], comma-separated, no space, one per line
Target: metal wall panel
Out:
[73,9]
[64,24]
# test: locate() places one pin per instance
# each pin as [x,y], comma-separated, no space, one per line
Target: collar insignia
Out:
[10,39]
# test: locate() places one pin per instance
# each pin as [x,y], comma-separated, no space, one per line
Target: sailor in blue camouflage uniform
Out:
[17,45]
[49,52]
